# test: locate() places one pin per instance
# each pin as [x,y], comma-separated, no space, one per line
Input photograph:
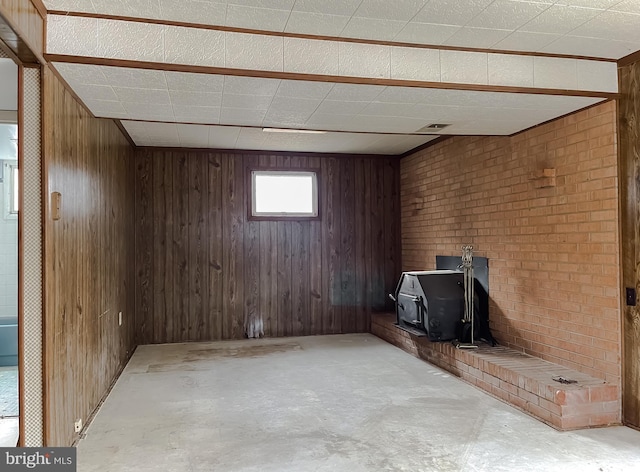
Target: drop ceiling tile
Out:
[95,92]
[104,107]
[70,5]
[355,93]
[330,7]
[560,19]
[510,70]
[611,25]
[196,114]
[135,8]
[193,135]
[464,67]
[372,28]
[303,105]
[415,64]
[425,33]
[596,75]
[311,57]
[223,137]
[194,11]
[183,81]
[404,10]
[597,4]
[316,23]
[476,37]
[435,113]
[275,4]
[331,121]
[194,46]
[137,95]
[72,35]
[340,107]
[185,98]
[382,124]
[257,18]
[507,14]
[385,109]
[81,73]
[134,41]
[149,111]
[285,118]
[627,6]
[451,13]
[136,78]
[365,60]
[524,41]
[304,89]
[553,72]
[250,86]
[250,102]
[254,51]
[406,95]
[241,116]
[582,46]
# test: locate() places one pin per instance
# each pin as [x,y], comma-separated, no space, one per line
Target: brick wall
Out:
[553,251]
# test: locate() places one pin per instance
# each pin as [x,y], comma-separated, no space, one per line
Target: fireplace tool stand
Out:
[468,320]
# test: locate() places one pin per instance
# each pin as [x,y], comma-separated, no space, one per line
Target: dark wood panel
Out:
[89,254]
[629,149]
[297,277]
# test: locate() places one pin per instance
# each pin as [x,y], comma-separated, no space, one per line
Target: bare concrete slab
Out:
[331,403]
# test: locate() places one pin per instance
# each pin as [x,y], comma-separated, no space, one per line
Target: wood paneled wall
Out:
[22,29]
[204,270]
[89,253]
[629,149]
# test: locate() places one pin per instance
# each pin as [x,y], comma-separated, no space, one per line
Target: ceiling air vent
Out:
[432,127]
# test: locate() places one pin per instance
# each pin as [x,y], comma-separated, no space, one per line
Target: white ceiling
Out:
[9,88]
[221,110]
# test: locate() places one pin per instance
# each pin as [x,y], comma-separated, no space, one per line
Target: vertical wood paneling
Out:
[629,156]
[22,29]
[89,258]
[299,277]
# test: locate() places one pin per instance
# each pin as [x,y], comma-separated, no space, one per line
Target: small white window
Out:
[11,188]
[288,194]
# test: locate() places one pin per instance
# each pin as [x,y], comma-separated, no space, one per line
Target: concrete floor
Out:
[333,403]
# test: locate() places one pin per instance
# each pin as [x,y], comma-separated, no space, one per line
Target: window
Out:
[11,188]
[284,194]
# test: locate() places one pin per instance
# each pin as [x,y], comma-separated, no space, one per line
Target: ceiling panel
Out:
[167,96]
[463,23]
[183,109]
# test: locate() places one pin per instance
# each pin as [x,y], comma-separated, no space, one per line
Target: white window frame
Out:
[10,181]
[314,214]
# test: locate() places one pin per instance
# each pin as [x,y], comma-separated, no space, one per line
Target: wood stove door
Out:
[410,311]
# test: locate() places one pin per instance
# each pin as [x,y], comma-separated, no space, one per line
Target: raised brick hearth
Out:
[516,378]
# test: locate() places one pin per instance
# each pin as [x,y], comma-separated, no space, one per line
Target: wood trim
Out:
[38,5]
[125,132]
[248,190]
[629,59]
[21,383]
[426,145]
[22,30]
[261,152]
[323,130]
[283,34]
[7,50]
[100,61]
